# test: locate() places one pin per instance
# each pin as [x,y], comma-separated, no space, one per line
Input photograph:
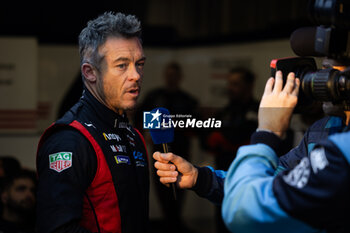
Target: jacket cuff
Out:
[204,181]
[268,138]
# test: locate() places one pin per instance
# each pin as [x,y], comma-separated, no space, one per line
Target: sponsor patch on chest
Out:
[139,159]
[111,136]
[60,161]
[121,159]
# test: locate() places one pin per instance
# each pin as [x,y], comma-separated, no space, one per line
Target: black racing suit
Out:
[93,173]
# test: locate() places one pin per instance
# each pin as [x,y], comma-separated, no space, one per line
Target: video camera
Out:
[330,39]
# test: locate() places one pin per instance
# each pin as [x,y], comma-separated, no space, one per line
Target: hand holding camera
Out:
[277,103]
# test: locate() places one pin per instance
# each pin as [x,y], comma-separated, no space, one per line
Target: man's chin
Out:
[129,107]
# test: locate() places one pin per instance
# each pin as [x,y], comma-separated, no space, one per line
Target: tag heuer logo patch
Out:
[60,161]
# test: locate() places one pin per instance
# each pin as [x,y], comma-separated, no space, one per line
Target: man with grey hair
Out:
[92,164]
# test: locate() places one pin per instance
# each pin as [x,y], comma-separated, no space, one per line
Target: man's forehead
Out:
[121,47]
[23,180]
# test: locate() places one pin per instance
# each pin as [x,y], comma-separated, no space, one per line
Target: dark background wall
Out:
[177,30]
[165,22]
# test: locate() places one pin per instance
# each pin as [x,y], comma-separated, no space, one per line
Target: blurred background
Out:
[39,63]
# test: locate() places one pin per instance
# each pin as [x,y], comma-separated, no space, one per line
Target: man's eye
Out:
[121,66]
[140,65]
[21,188]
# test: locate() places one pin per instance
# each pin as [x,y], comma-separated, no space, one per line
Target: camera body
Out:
[326,85]
[331,39]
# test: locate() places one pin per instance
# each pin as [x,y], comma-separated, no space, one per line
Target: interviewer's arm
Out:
[249,203]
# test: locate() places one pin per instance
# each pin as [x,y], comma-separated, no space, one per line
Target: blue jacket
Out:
[312,197]
[318,131]
[211,182]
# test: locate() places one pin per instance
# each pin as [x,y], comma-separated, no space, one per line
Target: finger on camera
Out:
[290,84]
[269,86]
[278,82]
[297,85]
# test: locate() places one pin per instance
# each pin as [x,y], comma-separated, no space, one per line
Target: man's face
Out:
[20,196]
[122,73]
[238,89]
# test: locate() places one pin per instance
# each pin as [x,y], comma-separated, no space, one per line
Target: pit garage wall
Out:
[50,70]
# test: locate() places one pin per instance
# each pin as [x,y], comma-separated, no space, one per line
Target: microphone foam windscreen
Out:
[164,132]
[302,41]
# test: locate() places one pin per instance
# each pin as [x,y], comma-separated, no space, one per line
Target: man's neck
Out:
[99,99]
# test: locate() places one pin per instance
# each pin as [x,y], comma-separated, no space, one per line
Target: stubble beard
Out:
[20,207]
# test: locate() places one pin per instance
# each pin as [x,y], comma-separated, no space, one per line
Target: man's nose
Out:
[30,194]
[134,74]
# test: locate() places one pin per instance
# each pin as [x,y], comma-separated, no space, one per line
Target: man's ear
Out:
[89,72]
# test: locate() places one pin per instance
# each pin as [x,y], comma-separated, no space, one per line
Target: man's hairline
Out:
[88,60]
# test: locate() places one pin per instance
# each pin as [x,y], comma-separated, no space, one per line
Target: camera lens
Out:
[326,85]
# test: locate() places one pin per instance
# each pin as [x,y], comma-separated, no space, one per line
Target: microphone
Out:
[303,42]
[164,134]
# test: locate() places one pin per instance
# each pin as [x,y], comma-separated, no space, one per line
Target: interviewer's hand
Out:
[277,104]
[185,176]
